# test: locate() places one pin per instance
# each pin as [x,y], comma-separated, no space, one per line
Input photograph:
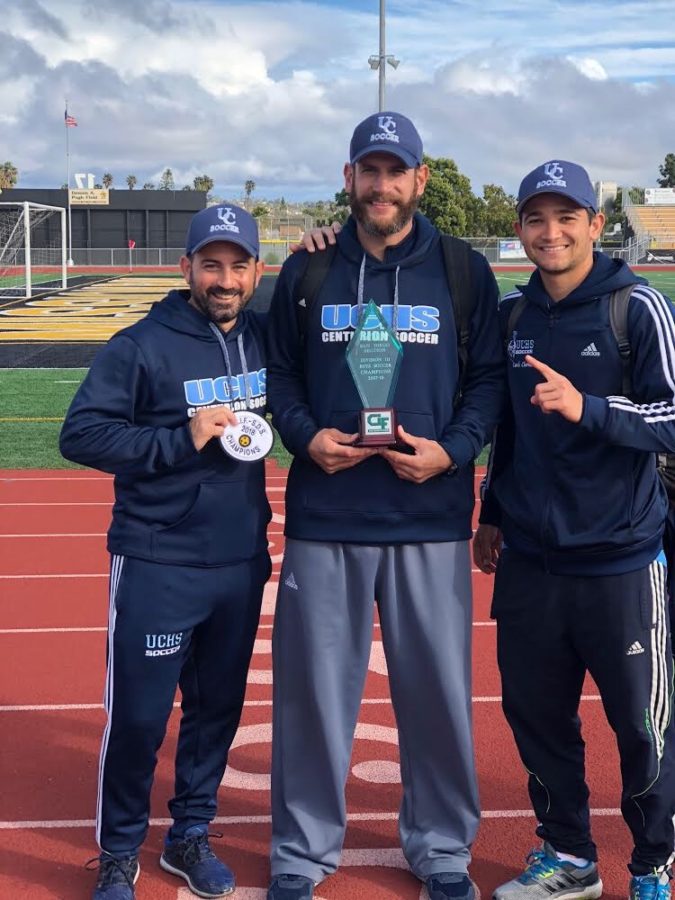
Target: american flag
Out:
[71,121]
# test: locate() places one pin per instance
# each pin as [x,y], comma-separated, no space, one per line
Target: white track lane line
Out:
[264,820]
[367,701]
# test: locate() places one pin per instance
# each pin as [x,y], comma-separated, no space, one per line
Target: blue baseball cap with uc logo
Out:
[223,223]
[559,177]
[387,132]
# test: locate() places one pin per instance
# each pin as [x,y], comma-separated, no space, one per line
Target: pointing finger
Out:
[545,370]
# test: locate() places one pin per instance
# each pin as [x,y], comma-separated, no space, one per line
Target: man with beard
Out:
[188,546]
[367,525]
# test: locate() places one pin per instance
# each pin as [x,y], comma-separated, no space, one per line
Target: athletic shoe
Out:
[117,876]
[192,859]
[291,887]
[546,877]
[650,887]
[451,886]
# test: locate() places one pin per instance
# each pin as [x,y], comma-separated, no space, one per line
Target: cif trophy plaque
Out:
[374,358]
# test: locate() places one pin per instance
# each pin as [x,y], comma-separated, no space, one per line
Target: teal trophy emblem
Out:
[374,358]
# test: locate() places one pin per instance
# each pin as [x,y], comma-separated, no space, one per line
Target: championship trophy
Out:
[374,358]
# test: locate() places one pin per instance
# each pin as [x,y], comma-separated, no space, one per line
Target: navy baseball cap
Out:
[223,223]
[387,132]
[559,177]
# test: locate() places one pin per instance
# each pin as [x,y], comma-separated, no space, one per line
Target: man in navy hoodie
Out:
[581,580]
[188,546]
[366,525]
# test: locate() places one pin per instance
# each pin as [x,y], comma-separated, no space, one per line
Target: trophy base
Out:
[377,428]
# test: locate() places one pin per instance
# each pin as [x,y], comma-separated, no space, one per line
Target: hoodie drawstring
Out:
[361,289]
[228,365]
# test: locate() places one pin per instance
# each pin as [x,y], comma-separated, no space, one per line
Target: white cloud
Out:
[590,68]
[271,91]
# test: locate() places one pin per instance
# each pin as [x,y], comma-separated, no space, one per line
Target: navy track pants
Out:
[172,626]
[551,630]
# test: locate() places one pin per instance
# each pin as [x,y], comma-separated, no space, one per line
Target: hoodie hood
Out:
[607,275]
[414,247]
[175,312]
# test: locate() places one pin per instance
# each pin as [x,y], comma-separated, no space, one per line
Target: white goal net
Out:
[32,249]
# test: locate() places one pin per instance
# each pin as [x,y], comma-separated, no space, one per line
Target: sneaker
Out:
[117,876]
[192,859]
[453,885]
[291,887]
[546,876]
[650,887]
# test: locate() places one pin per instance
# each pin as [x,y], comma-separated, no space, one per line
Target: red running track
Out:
[53,614]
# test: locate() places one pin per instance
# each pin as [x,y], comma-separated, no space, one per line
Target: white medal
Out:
[250,439]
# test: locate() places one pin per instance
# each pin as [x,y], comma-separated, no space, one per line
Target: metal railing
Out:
[271,252]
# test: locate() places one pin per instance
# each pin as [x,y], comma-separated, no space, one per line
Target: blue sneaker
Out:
[192,859]
[451,886]
[291,887]
[650,887]
[547,877]
[117,876]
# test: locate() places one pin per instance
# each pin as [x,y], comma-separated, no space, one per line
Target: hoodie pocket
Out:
[225,524]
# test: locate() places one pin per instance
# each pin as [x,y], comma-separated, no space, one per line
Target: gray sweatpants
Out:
[321,647]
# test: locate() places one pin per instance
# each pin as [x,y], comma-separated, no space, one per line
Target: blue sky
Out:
[272,90]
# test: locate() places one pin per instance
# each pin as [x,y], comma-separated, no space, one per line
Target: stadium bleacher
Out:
[657,222]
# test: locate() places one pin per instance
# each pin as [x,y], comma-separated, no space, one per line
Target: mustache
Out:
[222,293]
[380,198]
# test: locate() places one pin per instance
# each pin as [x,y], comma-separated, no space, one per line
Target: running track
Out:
[53,613]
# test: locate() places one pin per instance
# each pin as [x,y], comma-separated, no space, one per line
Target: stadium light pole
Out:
[380,61]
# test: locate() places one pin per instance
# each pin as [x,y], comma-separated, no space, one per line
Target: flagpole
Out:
[70,221]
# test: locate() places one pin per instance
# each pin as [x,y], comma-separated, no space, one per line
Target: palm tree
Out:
[107,180]
[249,187]
[203,183]
[9,175]
[131,182]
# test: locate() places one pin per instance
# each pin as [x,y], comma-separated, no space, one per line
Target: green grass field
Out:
[34,401]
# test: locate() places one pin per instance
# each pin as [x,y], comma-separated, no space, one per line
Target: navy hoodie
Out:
[310,387]
[131,417]
[585,498]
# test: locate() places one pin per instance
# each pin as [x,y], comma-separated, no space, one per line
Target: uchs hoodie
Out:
[585,498]
[310,387]
[130,417]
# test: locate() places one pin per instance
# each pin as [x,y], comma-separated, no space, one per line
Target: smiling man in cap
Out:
[188,546]
[366,525]
[580,581]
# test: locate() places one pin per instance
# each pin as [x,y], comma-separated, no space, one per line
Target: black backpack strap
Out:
[308,285]
[456,258]
[514,315]
[618,320]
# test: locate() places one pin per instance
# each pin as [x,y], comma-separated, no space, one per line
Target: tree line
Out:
[448,200]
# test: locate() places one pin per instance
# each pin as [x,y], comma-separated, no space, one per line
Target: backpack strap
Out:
[618,320]
[514,315]
[308,285]
[456,258]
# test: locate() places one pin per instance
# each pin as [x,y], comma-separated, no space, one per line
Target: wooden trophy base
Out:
[377,428]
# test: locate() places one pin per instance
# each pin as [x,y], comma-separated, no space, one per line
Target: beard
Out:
[403,213]
[218,305]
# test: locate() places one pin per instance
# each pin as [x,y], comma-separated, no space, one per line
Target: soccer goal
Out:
[33,251]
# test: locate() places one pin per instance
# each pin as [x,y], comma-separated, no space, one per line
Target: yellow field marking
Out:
[92,313]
